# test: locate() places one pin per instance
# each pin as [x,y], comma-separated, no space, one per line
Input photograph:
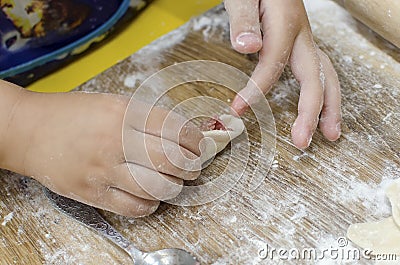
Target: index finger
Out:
[277,45]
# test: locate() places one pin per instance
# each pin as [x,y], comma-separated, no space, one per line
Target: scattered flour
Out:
[387,117]
[221,261]
[151,51]
[58,257]
[133,81]
[297,158]
[7,218]
[210,24]
[300,212]
[370,195]
[347,59]
[207,24]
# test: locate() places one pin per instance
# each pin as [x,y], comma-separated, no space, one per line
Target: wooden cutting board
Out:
[306,200]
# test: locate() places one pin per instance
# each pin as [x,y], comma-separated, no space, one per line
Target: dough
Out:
[381,237]
[217,140]
[393,193]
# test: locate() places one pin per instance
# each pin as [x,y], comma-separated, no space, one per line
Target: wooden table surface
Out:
[306,200]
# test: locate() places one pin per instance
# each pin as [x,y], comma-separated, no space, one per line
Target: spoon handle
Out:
[88,216]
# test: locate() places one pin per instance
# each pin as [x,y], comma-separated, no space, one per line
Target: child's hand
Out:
[72,143]
[287,38]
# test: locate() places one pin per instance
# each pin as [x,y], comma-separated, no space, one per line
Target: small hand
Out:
[72,143]
[287,38]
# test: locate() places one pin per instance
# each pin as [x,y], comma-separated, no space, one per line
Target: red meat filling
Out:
[214,124]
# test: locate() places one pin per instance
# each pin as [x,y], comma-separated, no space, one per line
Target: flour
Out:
[347,59]
[221,261]
[275,164]
[207,24]
[133,81]
[58,257]
[297,158]
[151,51]
[7,218]
[371,196]
[386,119]
[300,212]
[210,24]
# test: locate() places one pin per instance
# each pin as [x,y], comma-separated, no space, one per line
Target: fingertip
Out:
[192,175]
[127,204]
[331,132]
[247,42]
[301,136]
[301,142]
[144,210]
[239,106]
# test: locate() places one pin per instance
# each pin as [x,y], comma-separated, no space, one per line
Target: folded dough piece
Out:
[217,140]
[393,193]
[381,237]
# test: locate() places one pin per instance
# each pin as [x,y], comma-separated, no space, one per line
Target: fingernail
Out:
[247,38]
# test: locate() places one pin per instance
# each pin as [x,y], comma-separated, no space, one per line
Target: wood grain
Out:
[307,199]
[381,16]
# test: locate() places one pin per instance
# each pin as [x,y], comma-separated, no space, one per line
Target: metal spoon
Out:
[88,216]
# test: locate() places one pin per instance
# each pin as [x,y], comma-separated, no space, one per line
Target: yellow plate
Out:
[159,18]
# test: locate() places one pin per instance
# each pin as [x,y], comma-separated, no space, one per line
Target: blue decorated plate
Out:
[36,32]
